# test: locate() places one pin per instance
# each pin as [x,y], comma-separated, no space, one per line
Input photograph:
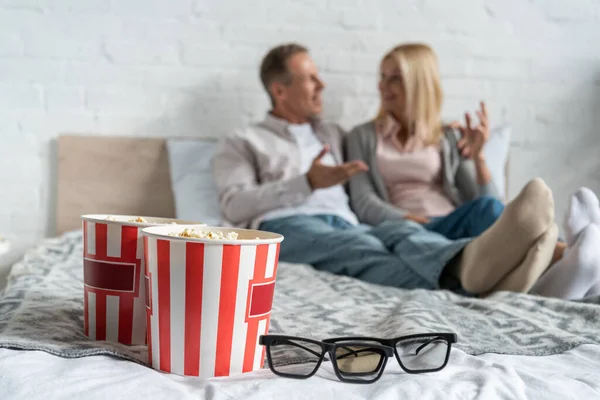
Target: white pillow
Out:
[496,154]
[192,180]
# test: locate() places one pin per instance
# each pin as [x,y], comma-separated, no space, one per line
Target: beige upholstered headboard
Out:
[111,175]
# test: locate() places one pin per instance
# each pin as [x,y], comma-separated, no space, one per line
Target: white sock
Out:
[584,208]
[574,275]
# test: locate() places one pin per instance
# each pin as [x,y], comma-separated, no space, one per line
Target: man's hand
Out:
[417,218]
[323,176]
[474,137]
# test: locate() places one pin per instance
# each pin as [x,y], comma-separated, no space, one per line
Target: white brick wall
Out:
[189,67]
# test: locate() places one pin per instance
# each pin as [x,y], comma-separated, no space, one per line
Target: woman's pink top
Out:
[411,172]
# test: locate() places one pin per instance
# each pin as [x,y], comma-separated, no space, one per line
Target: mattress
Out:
[510,346]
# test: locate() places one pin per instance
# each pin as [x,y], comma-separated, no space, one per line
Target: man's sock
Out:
[538,258]
[577,272]
[503,247]
[584,208]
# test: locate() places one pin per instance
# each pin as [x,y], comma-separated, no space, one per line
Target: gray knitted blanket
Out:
[42,309]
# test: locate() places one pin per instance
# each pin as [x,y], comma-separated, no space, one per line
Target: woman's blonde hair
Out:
[419,67]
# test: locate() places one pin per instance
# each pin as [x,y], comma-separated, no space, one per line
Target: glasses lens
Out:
[423,353]
[304,355]
[359,361]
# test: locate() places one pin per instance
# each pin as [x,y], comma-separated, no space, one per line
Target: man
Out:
[286,175]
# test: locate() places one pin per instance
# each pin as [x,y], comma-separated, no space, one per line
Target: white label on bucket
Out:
[177,292]
[112,318]
[270,267]
[113,245]
[240,326]
[91,239]
[211,290]
[92,314]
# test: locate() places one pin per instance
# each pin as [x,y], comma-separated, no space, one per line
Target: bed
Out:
[510,346]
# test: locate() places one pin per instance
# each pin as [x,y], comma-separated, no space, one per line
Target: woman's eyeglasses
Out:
[361,359]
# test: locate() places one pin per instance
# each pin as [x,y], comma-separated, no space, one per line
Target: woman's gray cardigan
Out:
[368,194]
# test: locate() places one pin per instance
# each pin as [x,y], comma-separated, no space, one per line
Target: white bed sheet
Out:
[575,374]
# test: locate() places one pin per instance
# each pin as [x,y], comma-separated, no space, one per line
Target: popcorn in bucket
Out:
[209,296]
[113,265]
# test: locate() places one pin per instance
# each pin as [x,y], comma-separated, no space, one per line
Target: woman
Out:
[429,173]
[419,169]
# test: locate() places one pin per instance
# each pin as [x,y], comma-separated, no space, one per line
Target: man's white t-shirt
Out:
[332,200]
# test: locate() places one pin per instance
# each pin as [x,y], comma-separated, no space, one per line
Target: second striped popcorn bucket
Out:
[208,299]
[113,264]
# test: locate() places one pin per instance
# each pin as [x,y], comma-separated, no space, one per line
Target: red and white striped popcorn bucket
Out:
[114,304]
[209,300]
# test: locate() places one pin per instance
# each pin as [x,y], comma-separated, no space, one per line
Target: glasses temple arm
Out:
[352,352]
[427,343]
[303,348]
